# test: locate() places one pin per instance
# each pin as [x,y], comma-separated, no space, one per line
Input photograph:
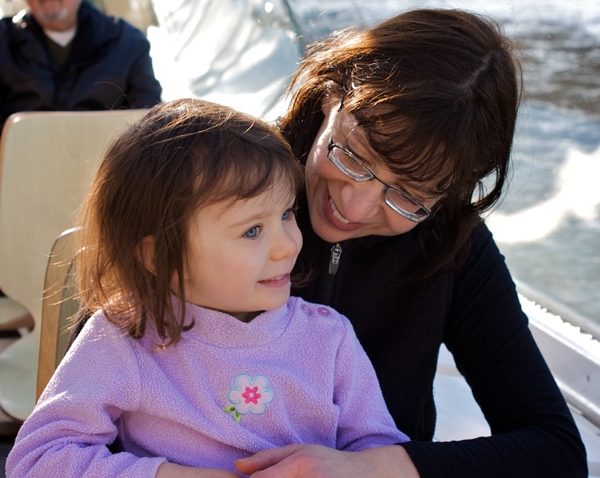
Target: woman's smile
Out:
[333,215]
[336,213]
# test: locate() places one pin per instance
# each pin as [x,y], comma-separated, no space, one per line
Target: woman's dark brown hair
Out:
[437,94]
[180,156]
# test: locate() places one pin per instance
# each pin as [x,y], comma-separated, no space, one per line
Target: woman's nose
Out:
[361,199]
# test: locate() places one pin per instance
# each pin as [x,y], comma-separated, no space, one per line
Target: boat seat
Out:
[47,162]
[59,307]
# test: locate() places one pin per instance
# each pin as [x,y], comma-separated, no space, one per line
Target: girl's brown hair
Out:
[180,156]
[437,94]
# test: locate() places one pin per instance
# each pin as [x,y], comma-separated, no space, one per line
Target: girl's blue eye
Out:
[251,233]
[289,213]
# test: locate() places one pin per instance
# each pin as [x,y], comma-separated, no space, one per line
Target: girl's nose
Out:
[361,199]
[287,243]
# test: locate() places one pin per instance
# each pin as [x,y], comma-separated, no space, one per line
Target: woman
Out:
[406,132]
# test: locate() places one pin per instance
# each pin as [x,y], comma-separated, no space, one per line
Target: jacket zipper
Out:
[334,261]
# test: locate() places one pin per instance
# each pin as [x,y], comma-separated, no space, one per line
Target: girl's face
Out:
[341,208]
[240,254]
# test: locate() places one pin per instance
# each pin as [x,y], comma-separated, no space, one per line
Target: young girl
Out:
[196,356]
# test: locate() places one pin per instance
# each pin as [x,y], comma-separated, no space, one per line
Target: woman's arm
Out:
[314,461]
[533,433]
[171,470]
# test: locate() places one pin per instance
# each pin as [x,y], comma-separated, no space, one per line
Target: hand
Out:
[171,470]
[315,461]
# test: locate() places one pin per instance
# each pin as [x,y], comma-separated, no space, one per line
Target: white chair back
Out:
[48,161]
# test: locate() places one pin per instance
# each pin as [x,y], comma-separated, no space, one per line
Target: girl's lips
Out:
[334,217]
[277,281]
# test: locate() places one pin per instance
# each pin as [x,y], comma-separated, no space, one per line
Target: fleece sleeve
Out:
[74,421]
[364,420]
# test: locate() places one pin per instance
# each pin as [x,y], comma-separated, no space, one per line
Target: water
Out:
[548,225]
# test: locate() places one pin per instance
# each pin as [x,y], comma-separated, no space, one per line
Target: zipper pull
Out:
[334,263]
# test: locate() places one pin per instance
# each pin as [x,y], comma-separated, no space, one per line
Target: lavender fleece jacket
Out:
[227,390]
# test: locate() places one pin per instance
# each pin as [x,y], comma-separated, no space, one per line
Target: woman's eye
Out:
[365,161]
[252,233]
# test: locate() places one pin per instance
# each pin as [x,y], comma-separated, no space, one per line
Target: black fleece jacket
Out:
[473,310]
[109,67]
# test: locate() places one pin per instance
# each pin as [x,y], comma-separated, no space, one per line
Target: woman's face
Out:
[341,208]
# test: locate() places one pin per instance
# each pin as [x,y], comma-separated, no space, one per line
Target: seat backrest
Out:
[48,161]
[60,306]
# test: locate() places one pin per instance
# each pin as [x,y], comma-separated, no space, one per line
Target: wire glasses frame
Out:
[399,201]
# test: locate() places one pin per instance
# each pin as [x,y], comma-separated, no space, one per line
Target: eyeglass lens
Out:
[359,172]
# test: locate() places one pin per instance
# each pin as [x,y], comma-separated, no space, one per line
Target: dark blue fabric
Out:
[109,67]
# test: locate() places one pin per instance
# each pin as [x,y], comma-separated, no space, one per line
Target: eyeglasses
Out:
[399,201]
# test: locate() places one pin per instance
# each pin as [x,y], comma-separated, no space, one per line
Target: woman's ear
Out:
[145,252]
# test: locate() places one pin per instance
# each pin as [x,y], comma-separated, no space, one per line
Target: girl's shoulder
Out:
[99,329]
[317,315]
[99,320]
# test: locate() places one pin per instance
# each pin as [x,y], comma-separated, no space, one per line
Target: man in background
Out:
[66,55]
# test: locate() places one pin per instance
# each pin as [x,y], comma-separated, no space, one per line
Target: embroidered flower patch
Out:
[248,395]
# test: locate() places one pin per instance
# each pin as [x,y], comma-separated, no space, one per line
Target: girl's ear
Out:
[145,252]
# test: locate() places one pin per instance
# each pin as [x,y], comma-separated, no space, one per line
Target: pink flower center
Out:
[251,395]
